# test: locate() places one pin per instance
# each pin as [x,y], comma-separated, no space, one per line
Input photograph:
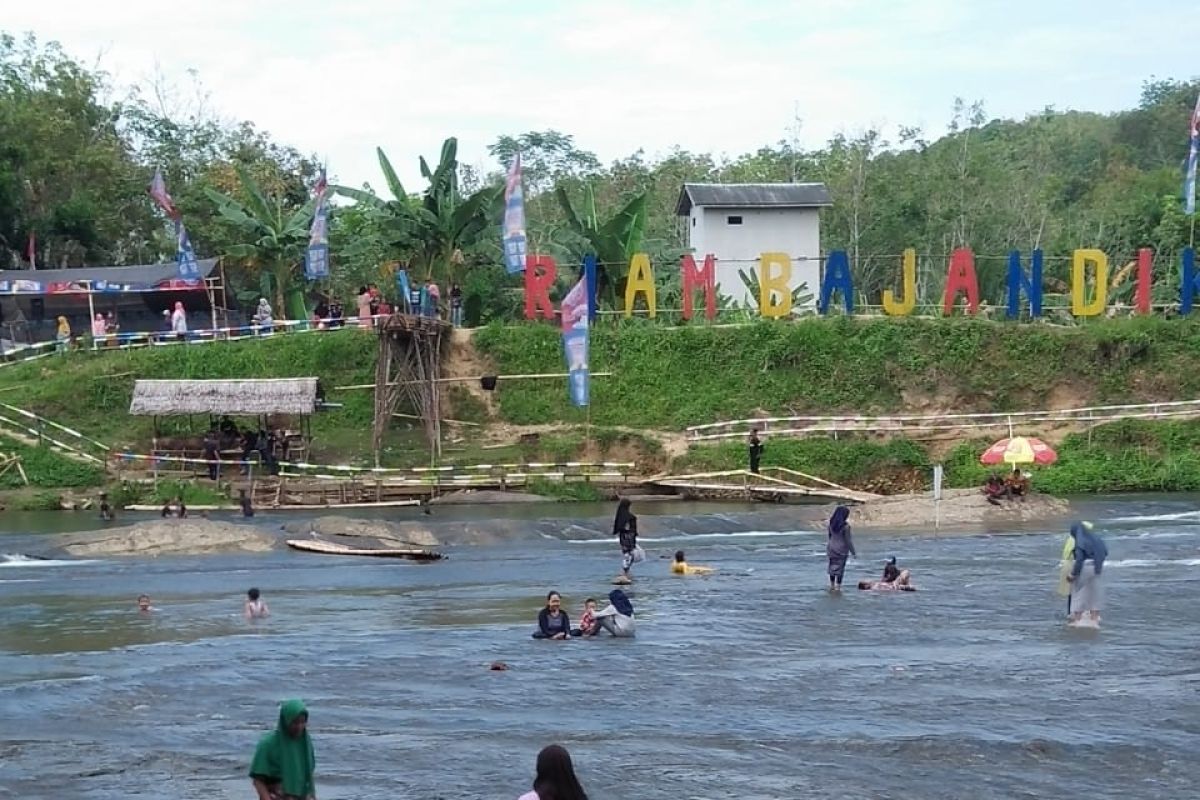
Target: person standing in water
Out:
[246,504]
[255,607]
[284,762]
[106,510]
[839,546]
[756,449]
[1089,553]
[625,529]
[555,779]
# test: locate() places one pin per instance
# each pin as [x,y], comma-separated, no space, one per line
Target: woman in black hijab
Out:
[555,777]
[625,529]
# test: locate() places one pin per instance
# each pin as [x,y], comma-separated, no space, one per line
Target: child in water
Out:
[256,607]
[680,566]
[587,622]
[144,606]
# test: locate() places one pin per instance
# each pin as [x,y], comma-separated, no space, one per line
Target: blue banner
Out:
[185,257]
[1189,168]
[575,308]
[316,258]
[316,262]
[405,290]
[513,234]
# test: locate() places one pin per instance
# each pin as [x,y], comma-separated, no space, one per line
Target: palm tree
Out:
[433,229]
[275,241]
[613,242]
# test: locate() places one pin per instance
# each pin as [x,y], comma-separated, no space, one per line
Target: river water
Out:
[753,683]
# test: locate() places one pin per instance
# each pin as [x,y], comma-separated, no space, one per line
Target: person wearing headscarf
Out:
[62,334]
[264,318]
[1089,554]
[555,779]
[363,301]
[284,762]
[625,529]
[179,319]
[617,616]
[839,546]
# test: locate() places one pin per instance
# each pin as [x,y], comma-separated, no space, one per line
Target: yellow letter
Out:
[1079,261]
[774,291]
[641,279]
[908,270]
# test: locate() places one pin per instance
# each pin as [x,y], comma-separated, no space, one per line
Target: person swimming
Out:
[680,566]
[143,603]
[553,622]
[893,578]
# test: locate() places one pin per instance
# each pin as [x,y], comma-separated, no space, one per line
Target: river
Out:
[752,683]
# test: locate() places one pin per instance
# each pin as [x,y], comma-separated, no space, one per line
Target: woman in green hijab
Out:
[284,763]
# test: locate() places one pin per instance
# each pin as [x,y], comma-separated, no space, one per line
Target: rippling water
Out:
[751,683]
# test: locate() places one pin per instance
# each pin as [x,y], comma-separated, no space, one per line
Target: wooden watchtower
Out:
[408,367]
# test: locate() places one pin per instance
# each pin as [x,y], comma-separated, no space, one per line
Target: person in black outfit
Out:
[756,449]
[625,529]
[245,503]
[106,511]
[212,454]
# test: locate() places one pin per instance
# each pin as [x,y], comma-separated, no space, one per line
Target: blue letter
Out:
[837,278]
[589,273]
[1032,284]
[1187,291]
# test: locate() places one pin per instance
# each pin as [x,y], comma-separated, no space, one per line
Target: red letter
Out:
[961,278]
[1141,298]
[705,279]
[540,273]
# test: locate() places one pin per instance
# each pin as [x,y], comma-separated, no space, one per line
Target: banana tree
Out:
[432,230]
[613,242]
[275,239]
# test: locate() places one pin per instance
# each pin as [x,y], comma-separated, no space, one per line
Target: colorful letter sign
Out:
[837,278]
[704,279]
[960,279]
[540,273]
[1080,307]
[774,291]
[908,270]
[640,280]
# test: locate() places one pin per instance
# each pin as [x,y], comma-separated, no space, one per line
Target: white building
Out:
[738,222]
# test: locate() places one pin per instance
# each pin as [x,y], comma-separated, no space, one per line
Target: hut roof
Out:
[237,397]
[752,195]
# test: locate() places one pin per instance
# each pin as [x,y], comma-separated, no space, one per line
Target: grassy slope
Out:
[670,378]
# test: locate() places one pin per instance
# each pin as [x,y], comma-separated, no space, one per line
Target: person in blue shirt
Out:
[1089,555]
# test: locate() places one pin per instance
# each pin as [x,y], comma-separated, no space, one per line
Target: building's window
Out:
[693,222]
[734,220]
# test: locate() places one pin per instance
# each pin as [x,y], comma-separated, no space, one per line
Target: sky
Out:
[337,79]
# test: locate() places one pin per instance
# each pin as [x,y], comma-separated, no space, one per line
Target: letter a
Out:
[771,286]
[908,270]
[1079,261]
[641,279]
[540,273]
[836,278]
[960,277]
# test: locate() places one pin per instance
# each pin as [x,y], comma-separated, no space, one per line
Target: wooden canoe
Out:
[334,549]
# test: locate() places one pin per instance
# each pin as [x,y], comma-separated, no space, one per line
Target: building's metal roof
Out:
[145,276]
[238,397]
[752,195]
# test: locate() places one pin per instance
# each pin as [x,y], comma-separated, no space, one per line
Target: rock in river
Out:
[170,537]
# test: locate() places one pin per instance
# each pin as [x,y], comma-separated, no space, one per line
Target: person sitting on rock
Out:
[1017,484]
[174,508]
[994,489]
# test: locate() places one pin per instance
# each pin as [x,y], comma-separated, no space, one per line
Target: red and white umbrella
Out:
[1019,450]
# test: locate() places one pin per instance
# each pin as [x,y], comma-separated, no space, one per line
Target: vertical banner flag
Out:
[405,290]
[575,341]
[185,257]
[1189,173]
[158,191]
[316,257]
[513,235]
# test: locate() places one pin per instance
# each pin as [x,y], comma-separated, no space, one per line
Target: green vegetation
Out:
[670,378]
[47,469]
[578,492]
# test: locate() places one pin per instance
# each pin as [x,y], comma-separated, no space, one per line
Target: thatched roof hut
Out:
[235,397]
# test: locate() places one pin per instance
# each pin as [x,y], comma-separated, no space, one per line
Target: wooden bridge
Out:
[777,484]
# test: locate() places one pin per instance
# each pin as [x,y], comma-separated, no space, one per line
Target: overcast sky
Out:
[336,78]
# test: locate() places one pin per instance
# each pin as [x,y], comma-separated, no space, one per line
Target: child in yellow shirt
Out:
[680,566]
